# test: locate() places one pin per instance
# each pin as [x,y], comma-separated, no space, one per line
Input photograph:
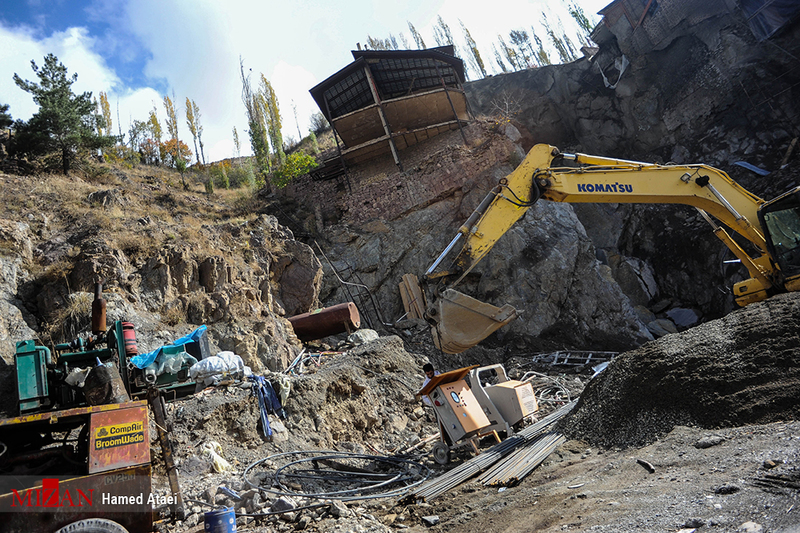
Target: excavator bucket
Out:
[462,321]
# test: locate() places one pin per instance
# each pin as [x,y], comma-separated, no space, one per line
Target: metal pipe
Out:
[443,254]
[724,202]
[322,323]
[160,417]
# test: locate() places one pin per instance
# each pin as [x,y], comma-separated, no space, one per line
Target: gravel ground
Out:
[696,431]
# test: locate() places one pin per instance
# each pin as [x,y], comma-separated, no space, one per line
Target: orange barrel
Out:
[129,336]
[321,323]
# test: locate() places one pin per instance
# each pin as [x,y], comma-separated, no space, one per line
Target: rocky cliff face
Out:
[706,91]
[546,265]
[166,269]
[590,275]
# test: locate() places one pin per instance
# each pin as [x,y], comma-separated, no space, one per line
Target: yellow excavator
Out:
[772,229]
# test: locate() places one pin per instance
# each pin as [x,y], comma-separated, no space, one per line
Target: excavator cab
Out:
[780,219]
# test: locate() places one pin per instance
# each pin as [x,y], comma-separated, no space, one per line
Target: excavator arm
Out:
[460,322]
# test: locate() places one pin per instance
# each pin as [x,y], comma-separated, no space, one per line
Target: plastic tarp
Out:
[766,17]
[145,360]
[213,369]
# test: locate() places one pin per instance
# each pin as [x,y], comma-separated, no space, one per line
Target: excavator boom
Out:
[459,321]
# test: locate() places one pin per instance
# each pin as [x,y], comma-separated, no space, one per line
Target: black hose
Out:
[411,474]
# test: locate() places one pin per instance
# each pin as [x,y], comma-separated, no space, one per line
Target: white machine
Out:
[507,402]
[467,413]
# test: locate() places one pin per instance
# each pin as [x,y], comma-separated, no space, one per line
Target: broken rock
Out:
[282,504]
[708,442]
[362,336]
[339,510]
[430,521]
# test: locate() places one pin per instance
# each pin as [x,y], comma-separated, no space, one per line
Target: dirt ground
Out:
[695,431]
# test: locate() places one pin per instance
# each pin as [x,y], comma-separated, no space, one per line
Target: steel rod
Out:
[485,460]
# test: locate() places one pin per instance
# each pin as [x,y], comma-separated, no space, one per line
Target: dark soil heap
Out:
[741,369]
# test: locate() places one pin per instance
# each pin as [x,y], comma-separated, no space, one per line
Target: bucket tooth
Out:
[461,321]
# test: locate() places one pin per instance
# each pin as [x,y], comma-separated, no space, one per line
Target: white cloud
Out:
[73,47]
[192,48]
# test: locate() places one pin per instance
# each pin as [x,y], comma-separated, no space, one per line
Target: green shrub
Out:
[296,165]
[242,176]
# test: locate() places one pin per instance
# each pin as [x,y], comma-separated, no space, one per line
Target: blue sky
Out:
[137,51]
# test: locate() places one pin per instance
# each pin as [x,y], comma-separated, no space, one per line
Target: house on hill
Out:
[387,100]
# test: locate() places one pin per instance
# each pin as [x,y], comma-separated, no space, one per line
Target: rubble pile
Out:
[361,401]
[737,370]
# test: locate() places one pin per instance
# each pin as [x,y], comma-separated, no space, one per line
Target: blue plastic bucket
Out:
[221,521]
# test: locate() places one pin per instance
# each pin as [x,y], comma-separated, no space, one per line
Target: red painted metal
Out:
[129,335]
[339,318]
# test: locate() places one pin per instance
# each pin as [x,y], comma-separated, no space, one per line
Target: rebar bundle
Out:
[487,459]
[519,464]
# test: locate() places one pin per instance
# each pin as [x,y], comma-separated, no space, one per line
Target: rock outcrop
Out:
[241,279]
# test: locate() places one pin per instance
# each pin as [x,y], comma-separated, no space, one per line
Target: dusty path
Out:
[581,489]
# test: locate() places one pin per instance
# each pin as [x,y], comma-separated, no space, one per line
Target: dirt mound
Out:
[741,369]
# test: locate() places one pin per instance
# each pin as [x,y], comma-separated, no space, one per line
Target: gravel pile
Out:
[740,369]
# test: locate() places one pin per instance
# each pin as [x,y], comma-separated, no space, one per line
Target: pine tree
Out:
[65,121]
[5,118]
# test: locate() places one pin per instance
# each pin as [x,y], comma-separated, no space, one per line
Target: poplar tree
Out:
[472,46]
[444,37]
[105,108]
[172,119]
[562,44]
[256,122]
[192,121]
[156,132]
[579,16]
[520,40]
[269,101]
[416,36]
[542,57]
[498,58]
[237,143]
[509,54]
